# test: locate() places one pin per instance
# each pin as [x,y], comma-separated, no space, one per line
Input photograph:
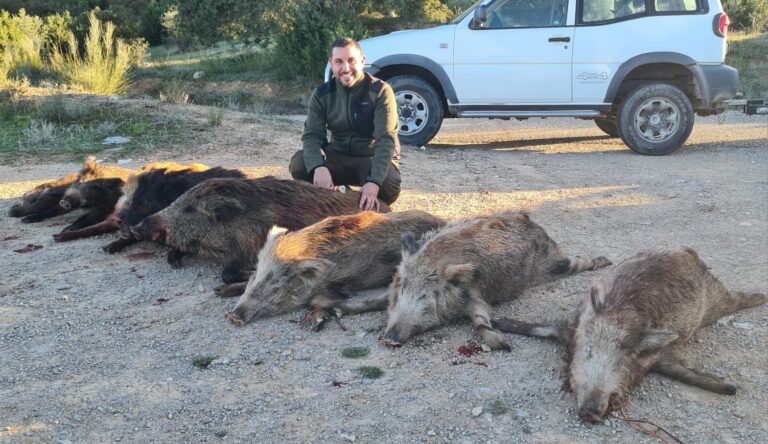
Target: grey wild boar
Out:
[228,219]
[322,263]
[467,266]
[633,319]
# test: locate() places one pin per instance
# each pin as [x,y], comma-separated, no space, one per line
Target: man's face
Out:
[347,64]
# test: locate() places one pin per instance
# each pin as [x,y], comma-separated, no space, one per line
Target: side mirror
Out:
[480,16]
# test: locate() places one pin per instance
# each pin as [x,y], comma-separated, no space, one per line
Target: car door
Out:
[521,54]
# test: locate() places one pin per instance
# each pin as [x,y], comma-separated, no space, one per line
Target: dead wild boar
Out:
[97,189]
[228,219]
[42,201]
[465,267]
[151,191]
[634,317]
[321,264]
[111,223]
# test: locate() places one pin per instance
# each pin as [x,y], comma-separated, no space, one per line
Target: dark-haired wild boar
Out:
[97,189]
[42,202]
[228,219]
[465,267]
[630,323]
[323,263]
[111,223]
[151,191]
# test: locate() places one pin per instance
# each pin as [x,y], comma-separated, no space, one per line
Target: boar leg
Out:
[731,302]
[119,244]
[526,329]
[90,218]
[671,367]
[174,257]
[230,290]
[108,226]
[42,215]
[569,266]
[236,270]
[376,302]
[480,313]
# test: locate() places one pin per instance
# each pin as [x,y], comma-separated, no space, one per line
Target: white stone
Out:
[477,411]
[115,140]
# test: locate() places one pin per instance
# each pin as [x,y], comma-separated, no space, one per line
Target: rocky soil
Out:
[102,348]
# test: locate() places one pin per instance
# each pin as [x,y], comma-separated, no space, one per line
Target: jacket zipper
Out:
[349,121]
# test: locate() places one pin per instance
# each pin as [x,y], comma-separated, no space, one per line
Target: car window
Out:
[675,5]
[526,13]
[602,10]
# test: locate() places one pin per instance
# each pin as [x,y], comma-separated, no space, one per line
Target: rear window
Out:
[604,10]
[601,11]
[675,5]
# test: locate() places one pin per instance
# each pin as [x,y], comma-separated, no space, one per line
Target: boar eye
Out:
[189,209]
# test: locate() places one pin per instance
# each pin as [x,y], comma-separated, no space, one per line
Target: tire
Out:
[419,108]
[655,119]
[608,126]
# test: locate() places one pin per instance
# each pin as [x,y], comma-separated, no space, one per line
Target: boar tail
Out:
[748,300]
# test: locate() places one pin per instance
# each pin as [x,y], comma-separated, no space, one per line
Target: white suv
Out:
[640,68]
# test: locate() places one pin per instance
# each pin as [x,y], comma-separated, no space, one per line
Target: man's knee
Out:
[390,189]
[296,167]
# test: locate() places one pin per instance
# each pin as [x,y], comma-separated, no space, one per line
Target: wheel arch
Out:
[419,66]
[671,67]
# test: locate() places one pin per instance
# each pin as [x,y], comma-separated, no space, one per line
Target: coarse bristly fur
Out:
[42,198]
[630,323]
[467,266]
[228,219]
[318,266]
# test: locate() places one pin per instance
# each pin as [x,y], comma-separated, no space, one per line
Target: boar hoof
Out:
[235,320]
[229,290]
[495,340]
[174,258]
[601,262]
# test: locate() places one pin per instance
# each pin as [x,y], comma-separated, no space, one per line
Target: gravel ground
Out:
[100,348]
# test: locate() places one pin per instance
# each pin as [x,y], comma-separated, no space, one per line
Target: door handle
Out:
[560,39]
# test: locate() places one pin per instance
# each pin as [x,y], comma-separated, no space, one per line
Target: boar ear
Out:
[410,245]
[314,268]
[597,296]
[656,339]
[460,273]
[276,231]
[227,210]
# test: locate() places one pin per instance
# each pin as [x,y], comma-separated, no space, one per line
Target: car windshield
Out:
[466,12]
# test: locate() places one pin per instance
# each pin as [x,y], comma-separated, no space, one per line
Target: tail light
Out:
[720,24]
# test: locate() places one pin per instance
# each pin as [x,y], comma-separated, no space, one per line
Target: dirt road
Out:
[98,348]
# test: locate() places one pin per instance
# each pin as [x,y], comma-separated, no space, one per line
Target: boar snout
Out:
[392,338]
[64,203]
[15,211]
[594,407]
[150,228]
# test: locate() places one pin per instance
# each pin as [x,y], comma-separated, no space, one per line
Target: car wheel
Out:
[655,119]
[608,126]
[419,109]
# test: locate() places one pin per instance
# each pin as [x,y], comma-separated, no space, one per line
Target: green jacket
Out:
[362,120]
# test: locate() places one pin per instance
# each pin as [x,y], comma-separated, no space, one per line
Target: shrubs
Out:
[104,66]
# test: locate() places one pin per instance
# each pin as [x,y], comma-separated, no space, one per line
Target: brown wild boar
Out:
[634,317]
[321,264]
[228,219]
[465,267]
[42,201]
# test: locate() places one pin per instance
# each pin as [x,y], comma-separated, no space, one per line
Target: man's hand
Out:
[322,178]
[369,199]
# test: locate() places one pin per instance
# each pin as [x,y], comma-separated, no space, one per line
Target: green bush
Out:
[747,15]
[104,67]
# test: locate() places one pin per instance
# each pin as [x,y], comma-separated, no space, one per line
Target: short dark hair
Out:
[344,42]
